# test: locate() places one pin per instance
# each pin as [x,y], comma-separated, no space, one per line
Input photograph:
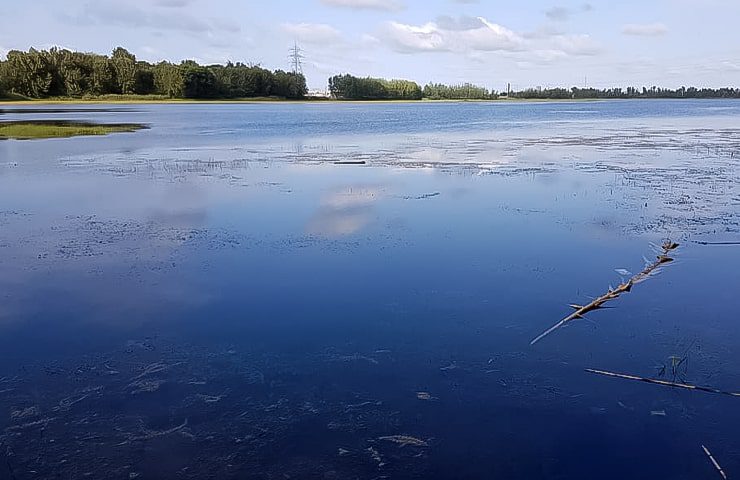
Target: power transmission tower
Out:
[296,59]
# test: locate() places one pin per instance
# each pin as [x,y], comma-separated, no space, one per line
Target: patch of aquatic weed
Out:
[6,216]
[45,129]
[293,243]
[226,413]
[500,150]
[130,247]
[698,142]
[691,198]
[152,245]
[91,236]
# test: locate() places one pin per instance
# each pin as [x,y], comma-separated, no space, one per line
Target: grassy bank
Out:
[42,129]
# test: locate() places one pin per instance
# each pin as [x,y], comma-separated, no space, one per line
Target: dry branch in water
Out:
[717,243]
[664,383]
[714,462]
[581,310]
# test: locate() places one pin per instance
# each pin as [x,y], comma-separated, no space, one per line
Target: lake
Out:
[233,293]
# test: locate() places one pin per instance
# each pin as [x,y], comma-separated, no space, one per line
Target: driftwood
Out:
[717,243]
[614,293]
[714,462]
[664,383]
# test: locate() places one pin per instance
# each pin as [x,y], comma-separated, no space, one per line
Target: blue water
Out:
[214,297]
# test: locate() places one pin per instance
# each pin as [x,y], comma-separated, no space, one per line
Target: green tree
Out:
[198,82]
[289,85]
[28,73]
[125,68]
[348,87]
[144,79]
[102,76]
[168,80]
[3,80]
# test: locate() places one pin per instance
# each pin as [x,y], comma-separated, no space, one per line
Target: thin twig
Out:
[664,383]
[615,293]
[714,462]
[716,243]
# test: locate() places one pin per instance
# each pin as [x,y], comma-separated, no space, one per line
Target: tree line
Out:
[467,91]
[348,87]
[629,92]
[62,73]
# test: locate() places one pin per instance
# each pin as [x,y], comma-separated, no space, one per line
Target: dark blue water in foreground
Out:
[214,297]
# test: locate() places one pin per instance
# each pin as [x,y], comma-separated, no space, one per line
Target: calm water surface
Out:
[214,297]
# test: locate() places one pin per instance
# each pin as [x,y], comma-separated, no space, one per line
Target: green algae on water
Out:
[44,129]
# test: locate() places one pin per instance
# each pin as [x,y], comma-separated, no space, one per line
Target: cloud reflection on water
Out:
[346,211]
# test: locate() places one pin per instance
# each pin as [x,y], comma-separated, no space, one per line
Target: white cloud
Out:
[317,33]
[387,5]
[409,38]
[448,35]
[476,34]
[645,30]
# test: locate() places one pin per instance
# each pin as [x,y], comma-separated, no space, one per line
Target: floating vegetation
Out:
[151,434]
[24,413]
[677,366]
[224,410]
[350,162]
[375,455]
[145,386]
[42,129]
[451,366]
[664,383]
[714,462]
[423,196]
[405,441]
[614,293]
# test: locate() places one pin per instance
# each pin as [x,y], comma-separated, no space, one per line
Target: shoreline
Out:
[231,101]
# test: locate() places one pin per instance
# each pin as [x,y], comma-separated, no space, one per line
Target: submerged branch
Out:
[664,383]
[716,243]
[714,462]
[612,294]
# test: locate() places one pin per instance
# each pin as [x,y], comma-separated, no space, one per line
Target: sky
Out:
[527,43]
